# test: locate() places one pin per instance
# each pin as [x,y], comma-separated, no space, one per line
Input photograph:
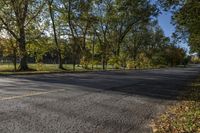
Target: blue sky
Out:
[164,20]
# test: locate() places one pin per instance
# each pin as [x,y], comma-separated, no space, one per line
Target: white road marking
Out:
[29,95]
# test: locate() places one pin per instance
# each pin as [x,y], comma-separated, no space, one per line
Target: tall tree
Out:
[187,23]
[20,16]
[51,4]
[129,13]
[103,29]
[187,20]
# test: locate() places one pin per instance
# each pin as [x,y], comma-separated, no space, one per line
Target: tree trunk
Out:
[118,49]
[15,60]
[103,62]
[60,60]
[22,47]
[93,53]
[74,57]
[60,66]
[74,62]
[135,56]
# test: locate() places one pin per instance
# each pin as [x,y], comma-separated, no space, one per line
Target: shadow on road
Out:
[166,84]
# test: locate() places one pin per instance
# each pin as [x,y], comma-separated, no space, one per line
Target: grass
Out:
[7,69]
[184,117]
[38,67]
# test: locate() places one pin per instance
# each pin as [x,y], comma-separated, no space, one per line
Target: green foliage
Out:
[9,47]
[114,61]
[195,60]
[131,64]
[84,62]
[16,18]
[187,20]
[39,48]
[143,61]
[175,55]
[124,34]
[159,58]
[95,63]
[123,57]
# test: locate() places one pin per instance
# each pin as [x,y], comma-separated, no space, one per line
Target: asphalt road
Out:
[95,102]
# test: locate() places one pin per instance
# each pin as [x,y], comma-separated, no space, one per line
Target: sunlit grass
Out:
[48,68]
[6,67]
[38,67]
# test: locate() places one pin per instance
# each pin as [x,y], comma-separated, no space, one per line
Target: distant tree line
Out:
[124,34]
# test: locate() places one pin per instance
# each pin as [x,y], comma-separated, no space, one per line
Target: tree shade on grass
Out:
[50,67]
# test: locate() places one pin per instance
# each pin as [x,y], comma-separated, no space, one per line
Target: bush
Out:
[95,63]
[143,61]
[195,60]
[115,62]
[84,62]
[130,64]
[186,61]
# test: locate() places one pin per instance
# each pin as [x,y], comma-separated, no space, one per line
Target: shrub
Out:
[94,63]
[130,64]
[115,62]
[143,61]
[84,62]
[195,60]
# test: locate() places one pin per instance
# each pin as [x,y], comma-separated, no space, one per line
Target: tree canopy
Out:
[109,32]
[187,20]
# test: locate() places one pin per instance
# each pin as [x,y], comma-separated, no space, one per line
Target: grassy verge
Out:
[8,69]
[38,67]
[184,117]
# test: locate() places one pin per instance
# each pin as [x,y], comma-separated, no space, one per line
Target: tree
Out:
[19,18]
[52,16]
[125,32]
[130,13]
[187,20]
[9,48]
[102,28]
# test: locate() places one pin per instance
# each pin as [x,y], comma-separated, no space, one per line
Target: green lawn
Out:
[47,68]
[50,68]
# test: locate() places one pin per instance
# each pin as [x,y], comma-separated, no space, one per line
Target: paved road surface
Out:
[96,102]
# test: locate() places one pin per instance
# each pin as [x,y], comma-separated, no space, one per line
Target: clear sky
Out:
[164,20]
